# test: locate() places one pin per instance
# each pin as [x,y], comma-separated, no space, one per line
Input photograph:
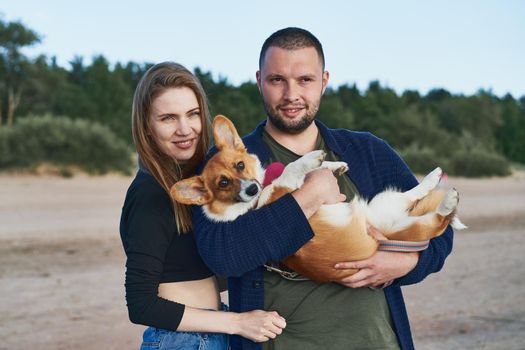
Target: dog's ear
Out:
[191,191]
[225,134]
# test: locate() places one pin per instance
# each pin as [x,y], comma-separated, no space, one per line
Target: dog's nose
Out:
[252,190]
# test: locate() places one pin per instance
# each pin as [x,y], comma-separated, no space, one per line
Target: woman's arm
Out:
[147,308]
[147,229]
[256,325]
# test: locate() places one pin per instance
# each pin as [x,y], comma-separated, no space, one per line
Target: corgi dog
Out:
[231,185]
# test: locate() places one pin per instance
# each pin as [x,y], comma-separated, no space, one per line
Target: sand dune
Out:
[62,268]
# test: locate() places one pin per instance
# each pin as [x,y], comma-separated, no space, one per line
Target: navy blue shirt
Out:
[238,249]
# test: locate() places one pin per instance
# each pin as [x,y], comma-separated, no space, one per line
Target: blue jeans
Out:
[162,339]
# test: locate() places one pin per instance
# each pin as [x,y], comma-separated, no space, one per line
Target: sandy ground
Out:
[62,268]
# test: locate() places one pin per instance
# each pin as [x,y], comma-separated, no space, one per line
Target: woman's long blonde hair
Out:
[162,167]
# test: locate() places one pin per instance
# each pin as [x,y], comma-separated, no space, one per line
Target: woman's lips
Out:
[185,144]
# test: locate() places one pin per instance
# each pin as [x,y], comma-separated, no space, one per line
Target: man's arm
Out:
[430,260]
[433,258]
[270,233]
[395,267]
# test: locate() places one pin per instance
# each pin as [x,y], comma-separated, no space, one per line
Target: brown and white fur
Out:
[230,185]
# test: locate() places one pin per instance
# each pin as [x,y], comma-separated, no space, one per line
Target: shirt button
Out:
[257,284]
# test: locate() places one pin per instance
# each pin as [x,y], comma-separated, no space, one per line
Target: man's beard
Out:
[291,128]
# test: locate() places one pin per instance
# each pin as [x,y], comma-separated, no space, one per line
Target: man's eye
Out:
[240,166]
[223,182]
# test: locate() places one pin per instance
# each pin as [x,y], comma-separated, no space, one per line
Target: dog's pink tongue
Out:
[273,171]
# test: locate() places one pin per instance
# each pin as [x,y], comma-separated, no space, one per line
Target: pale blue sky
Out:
[459,45]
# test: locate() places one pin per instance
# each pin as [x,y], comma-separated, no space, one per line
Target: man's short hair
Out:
[292,38]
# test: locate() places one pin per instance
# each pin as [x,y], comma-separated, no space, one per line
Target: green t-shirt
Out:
[325,316]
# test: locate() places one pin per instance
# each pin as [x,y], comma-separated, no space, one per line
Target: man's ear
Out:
[258,80]
[191,191]
[326,77]
[225,134]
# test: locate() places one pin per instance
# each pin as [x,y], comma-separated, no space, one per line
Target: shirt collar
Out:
[254,142]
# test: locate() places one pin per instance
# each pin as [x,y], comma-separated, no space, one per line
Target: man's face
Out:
[291,83]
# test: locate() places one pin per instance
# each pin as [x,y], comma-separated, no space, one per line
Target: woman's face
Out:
[175,119]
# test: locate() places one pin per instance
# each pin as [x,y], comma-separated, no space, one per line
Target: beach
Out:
[62,268]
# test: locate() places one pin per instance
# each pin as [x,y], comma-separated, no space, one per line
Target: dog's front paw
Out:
[312,160]
[338,168]
[295,172]
[449,203]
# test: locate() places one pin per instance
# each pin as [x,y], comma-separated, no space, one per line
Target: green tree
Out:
[333,111]
[411,97]
[45,81]
[243,104]
[481,115]
[510,134]
[377,110]
[13,64]
[131,72]
[111,97]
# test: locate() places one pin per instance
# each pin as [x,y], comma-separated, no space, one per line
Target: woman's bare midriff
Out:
[202,294]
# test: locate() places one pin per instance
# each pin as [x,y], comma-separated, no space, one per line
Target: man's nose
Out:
[291,92]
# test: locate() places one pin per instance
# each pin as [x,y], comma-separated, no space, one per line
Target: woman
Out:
[168,287]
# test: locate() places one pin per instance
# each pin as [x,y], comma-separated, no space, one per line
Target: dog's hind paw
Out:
[432,179]
[449,203]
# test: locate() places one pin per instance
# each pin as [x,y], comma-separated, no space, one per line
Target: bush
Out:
[465,161]
[478,163]
[6,155]
[423,160]
[63,142]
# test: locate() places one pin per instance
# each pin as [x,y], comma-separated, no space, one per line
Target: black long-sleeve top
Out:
[156,253]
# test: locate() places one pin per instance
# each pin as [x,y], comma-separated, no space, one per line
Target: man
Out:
[344,315]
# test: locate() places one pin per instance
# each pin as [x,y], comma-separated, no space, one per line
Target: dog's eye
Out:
[240,166]
[223,182]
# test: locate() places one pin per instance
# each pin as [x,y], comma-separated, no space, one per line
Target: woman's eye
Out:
[195,113]
[240,166]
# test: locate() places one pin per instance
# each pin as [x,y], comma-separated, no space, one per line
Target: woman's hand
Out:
[258,325]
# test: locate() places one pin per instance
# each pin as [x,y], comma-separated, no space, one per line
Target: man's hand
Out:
[380,269]
[323,183]
[320,187]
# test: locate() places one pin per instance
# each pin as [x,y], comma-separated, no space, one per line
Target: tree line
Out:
[427,129]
